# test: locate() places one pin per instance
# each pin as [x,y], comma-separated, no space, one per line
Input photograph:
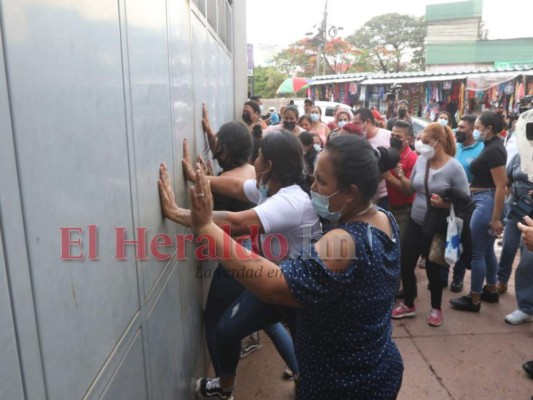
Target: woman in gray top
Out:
[439,172]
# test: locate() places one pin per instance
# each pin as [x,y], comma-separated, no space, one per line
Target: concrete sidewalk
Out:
[470,356]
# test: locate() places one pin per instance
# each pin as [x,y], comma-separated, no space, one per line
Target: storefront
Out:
[429,93]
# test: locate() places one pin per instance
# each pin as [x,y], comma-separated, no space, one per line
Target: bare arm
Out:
[500,181]
[270,285]
[396,183]
[407,188]
[227,185]
[239,222]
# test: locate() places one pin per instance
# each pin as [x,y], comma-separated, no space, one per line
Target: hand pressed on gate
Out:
[206,126]
[186,163]
[166,193]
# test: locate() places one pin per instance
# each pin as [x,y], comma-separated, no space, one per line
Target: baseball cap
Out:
[309,101]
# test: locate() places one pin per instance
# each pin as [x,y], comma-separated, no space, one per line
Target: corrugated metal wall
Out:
[94,95]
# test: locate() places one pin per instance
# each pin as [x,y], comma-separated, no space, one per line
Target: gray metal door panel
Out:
[15,260]
[128,382]
[68,110]
[167,345]
[151,118]
[11,382]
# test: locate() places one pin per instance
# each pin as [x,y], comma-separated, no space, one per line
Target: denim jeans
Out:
[511,242]
[224,290]
[524,281]
[249,314]
[484,262]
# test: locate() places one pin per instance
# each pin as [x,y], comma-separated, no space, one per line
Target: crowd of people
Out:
[354,206]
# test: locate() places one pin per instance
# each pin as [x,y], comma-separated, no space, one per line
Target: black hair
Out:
[285,152]
[470,118]
[254,106]
[234,139]
[490,118]
[355,162]
[255,98]
[292,108]
[404,125]
[310,157]
[257,135]
[306,138]
[365,115]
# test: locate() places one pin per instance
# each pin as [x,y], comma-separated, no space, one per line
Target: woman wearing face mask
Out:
[285,219]
[344,301]
[290,120]
[320,128]
[438,171]
[341,118]
[445,119]
[488,192]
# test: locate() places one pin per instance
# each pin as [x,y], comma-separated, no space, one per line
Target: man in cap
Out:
[308,105]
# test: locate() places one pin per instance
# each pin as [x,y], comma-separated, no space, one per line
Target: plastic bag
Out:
[454,248]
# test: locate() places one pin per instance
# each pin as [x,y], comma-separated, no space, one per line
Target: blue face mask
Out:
[315,117]
[263,189]
[476,135]
[321,205]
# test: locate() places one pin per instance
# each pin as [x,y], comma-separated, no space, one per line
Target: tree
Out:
[339,56]
[391,39]
[266,81]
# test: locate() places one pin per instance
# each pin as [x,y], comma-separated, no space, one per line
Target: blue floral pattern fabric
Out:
[343,342]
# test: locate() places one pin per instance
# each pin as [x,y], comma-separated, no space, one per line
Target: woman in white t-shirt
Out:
[284,218]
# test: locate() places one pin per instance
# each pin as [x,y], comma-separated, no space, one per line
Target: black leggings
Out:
[411,249]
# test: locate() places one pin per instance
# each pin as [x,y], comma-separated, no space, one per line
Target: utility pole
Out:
[321,39]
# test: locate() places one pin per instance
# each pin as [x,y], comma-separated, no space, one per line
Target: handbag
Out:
[438,240]
[454,247]
[436,250]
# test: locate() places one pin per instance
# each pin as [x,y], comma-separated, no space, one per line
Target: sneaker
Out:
[434,317]
[210,389]
[501,287]
[465,304]
[489,297]
[402,311]
[252,344]
[518,317]
[457,286]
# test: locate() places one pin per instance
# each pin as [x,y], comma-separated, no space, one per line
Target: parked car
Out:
[419,124]
[327,107]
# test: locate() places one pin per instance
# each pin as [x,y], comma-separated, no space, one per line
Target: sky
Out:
[274,24]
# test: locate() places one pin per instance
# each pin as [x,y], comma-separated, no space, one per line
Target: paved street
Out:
[471,356]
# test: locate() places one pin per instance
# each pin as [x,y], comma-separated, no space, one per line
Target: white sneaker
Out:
[518,317]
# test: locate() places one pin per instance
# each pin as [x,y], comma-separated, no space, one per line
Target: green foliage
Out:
[390,40]
[338,56]
[267,80]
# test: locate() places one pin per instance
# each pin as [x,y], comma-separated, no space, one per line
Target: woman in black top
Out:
[488,193]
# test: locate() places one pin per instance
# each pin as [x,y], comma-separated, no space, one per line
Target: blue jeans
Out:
[484,262]
[246,315]
[511,242]
[224,290]
[524,281]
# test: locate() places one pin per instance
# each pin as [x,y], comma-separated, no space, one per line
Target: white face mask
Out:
[427,151]
[342,123]
[443,122]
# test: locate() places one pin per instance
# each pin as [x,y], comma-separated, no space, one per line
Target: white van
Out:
[327,107]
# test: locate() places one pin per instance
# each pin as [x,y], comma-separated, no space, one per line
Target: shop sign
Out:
[512,64]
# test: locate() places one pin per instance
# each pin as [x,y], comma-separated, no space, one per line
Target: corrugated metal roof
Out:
[421,76]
